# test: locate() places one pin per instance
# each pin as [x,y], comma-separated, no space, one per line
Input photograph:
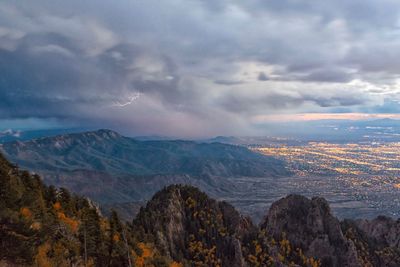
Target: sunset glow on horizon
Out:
[323,116]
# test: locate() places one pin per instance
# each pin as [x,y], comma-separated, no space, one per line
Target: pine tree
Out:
[91,237]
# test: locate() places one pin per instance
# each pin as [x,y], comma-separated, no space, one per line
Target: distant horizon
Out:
[266,123]
[327,116]
[38,124]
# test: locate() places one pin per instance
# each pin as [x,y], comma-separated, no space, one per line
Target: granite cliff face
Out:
[377,241]
[383,230]
[310,226]
[191,228]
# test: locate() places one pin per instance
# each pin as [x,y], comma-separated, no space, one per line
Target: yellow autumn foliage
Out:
[176,264]
[71,223]
[116,237]
[26,213]
[57,206]
[36,225]
[147,252]
[41,258]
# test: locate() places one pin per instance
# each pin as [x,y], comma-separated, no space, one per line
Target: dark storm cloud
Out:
[243,104]
[227,82]
[48,76]
[262,76]
[151,65]
[327,75]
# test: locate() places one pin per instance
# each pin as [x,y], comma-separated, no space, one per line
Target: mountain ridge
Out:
[296,231]
[103,143]
[111,168]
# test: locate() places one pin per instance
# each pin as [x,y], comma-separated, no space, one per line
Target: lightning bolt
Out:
[129,101]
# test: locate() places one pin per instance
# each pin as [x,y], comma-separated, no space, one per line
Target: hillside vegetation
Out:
[180,226]
[44,226]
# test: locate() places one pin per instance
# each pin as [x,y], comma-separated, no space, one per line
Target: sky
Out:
[194,68]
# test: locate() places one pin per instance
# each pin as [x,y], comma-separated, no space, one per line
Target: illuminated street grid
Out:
[359,180]
[327,158]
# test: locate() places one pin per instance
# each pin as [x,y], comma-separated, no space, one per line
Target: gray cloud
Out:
[262,76]
[180,67]
[227,82]
[252,104]
[327,75]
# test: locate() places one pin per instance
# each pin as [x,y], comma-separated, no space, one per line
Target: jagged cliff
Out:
[377,241]
[310,226]
[192,228]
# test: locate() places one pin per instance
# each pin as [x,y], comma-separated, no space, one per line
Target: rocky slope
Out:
[191,228]
[310,226]
[377,241]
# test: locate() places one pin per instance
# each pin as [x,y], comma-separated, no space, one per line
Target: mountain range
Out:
[9,135]
[181,226]
[120,172]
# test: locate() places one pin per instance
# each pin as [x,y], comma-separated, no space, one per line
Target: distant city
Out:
[354,164]
[324,158]
[360,180]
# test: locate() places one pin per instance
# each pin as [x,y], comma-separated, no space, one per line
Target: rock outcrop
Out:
[192,228]
[377,241]
[384,230]
[188,226]
[310,226]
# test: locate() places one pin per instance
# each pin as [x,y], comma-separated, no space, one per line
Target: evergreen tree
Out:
[91,237]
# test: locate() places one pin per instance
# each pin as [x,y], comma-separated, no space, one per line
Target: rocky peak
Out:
[383,230]
[194,226]
[106,134]
[309,225]
[377,241]
[190,227]
[87,137]
[64,141]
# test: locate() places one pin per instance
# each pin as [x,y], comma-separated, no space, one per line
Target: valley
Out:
[255,195]
[360,180]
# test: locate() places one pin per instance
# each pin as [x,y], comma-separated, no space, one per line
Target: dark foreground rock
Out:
[310,226]
[192,228]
